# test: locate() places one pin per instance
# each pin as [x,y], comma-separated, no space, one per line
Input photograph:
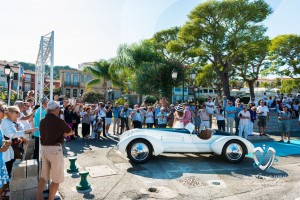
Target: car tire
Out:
[139,151]
[234,151]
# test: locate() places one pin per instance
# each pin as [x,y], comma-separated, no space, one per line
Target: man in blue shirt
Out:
[230,114]
[36,122]
[116,112]
[124,117]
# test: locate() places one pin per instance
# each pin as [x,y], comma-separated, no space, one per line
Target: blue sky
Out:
[88,30]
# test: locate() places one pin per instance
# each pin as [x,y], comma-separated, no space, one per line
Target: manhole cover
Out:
[192,182]
[103,170]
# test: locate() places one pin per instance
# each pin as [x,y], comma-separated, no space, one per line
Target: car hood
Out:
[156,132]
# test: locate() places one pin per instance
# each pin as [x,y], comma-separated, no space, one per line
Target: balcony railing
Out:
[75,84]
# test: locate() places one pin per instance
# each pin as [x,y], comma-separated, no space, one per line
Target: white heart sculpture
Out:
[263,151]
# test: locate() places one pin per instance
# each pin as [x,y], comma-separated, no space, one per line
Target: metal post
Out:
[52,65]
[183,90]
[19,76]
[8,85]
[9,92]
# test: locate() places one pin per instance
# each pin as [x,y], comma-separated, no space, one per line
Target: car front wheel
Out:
[139,151]
[234,151]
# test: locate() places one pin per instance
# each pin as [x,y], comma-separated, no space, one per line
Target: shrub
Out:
[92,97]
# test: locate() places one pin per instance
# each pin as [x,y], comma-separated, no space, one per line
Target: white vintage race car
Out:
[141,144]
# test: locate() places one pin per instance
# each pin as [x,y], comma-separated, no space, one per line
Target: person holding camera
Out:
[124,117]
[116,112]
[136,117]
[220,117]
[108,116]
[162,118]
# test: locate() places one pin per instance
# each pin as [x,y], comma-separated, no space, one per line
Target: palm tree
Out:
[100,72]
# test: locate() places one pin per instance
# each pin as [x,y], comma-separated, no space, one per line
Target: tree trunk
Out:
[251,88]
[225,83]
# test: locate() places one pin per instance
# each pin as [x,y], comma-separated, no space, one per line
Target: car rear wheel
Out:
[234,151]
[139,151]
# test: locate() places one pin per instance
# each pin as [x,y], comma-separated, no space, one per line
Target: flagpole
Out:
[19,78]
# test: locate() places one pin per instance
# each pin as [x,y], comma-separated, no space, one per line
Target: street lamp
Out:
[174,77]
[7,71]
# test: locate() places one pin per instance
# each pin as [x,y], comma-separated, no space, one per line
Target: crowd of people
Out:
[63,117]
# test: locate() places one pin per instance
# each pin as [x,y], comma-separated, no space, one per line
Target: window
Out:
[177,89]
[75,80]
[16,76]
[190,92]
[211,91]
[27,77]
[68,93]
[15,86]
[88,78]
[205,91]
[75,93]
[27,87]
[81,92]
[68,78]
[82,78]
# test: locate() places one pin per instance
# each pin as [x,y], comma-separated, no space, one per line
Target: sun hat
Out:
[179,108]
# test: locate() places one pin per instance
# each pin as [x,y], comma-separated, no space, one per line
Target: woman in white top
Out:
[149,117]
[4,145]
[178,115]
[9,130]
[244,116]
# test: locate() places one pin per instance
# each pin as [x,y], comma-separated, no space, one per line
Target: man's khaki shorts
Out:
[52,163]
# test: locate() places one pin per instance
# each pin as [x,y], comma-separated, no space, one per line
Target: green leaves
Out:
[285,54]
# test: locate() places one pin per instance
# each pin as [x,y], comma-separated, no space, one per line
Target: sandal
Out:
[5,194]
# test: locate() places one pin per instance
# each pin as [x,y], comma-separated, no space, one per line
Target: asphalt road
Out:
[176,176]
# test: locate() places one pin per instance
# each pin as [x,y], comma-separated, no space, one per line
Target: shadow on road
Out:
[174,166]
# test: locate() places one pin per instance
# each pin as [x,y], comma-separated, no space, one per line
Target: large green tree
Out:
[150,70]
[219,30]
[285,54]
[253,61]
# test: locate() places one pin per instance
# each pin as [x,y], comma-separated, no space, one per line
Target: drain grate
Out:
[192,182]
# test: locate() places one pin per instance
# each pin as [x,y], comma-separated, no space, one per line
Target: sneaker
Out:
[288,142]
[280,141]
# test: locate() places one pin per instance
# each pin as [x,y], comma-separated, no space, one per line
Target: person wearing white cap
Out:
[52,132]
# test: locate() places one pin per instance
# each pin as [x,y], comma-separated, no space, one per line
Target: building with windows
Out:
[29,82]
[202,92]
[73,83]
[3,79]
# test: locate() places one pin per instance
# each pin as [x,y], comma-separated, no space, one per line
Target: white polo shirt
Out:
[263,109]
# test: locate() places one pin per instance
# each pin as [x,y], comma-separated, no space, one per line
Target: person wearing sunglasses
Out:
[9,130]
